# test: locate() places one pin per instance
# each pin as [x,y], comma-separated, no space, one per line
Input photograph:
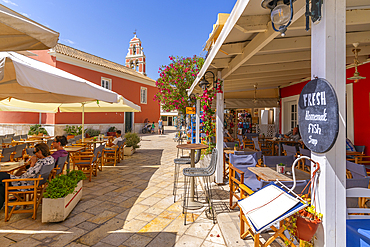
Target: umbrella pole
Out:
[83,121]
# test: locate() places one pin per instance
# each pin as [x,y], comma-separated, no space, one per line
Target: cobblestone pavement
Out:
[127,205]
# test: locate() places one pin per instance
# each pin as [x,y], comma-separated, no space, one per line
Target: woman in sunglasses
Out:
[42,158]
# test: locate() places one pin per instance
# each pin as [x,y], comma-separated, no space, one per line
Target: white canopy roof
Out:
[26,79]
[248,51]
[19,33]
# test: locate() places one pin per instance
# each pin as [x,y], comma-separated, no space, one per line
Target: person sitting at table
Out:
[58,143]
[116,140]
[293,134]
[42,158]
[227,136]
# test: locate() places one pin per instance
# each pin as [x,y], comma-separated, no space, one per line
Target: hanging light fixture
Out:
[282,13]
[205,84]
[255,100]
[356,76]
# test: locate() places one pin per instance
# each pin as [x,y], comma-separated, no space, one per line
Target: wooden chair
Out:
[111,155]
[239,175]
[99,160]
[30,195]
[246,228]
[258,147]
[120,154]
[86,162]
[271,161]
[305,165]
[8,154]
[355,170]
[19,151]
[59,165]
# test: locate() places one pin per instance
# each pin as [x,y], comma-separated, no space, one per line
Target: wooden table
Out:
[192,147]
[270,174]
[69,150]
[93,142]
[40,137]
[28,142]
[231,151]
[9,167]
[279,143]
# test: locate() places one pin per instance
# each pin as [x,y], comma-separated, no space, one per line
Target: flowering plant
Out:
[208,113]
[173,81]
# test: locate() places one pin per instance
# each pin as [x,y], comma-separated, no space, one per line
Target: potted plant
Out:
[132,141]
[37,130]
[304,224]
[280,168]
[61,195]
[112,131]
[92,133]
[72,131]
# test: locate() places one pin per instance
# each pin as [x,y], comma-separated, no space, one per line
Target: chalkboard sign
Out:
[318,115]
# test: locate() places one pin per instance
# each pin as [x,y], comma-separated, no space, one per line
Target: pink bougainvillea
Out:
[173,81]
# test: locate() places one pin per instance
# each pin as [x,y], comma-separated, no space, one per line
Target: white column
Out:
[219,133]
[328,57]
[197,122]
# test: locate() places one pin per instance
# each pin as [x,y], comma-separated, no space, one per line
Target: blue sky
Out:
[104,28]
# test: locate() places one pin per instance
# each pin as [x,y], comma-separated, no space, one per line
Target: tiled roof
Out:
[71,52]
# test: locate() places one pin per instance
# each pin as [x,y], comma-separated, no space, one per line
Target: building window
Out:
[106,83]
[143,95]
[293,118]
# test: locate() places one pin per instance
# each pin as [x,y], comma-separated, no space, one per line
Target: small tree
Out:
[173,81]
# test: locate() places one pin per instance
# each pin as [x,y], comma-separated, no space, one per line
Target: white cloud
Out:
[10,2]
[25,15]
[68,41]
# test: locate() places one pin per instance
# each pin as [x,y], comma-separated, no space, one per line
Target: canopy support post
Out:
[197,122]
[83,121]
[220,134]
[328,60]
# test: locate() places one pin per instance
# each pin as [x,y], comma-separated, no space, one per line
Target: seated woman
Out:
[58,144]
[42,158]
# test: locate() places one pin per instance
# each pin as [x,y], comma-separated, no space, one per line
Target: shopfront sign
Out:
[318,115]
[190,110]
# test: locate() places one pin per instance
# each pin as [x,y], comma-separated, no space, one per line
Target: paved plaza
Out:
[127,205]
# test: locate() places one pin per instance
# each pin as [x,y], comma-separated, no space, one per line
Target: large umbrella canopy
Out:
[27,79]
[12,104]
[123,105]
[18,33]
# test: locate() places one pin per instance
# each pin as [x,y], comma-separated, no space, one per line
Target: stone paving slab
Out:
[127,205]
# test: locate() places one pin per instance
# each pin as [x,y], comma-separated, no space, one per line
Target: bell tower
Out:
[135,58]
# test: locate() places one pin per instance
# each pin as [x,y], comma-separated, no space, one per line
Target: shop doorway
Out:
[169,121]
[128,122]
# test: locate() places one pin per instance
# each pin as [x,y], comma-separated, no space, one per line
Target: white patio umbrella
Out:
[27,79]
[19,33]
[123,105]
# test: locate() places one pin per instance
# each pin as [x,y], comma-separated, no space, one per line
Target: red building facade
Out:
[131,84]
[357,111]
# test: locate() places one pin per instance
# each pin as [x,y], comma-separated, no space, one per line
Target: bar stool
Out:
[206,173]
[178,162]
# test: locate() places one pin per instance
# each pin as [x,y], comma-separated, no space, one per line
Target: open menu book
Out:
[268,205]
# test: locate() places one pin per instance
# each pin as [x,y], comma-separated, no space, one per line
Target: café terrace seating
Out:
[26,196]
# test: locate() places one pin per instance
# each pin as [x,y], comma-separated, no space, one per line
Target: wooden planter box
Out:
[128,151]
[56,210]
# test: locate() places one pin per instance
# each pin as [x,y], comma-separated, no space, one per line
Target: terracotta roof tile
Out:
[71,52]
